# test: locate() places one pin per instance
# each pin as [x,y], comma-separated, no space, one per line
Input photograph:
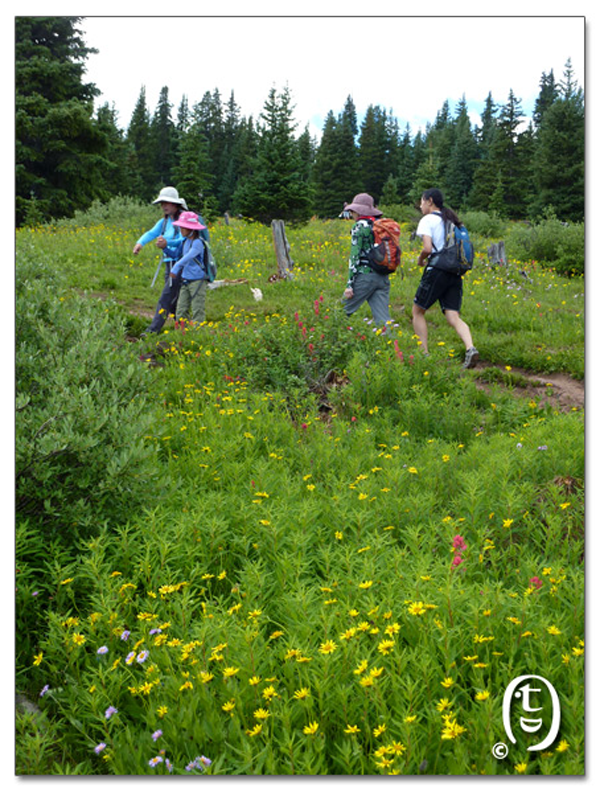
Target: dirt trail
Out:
[565,392]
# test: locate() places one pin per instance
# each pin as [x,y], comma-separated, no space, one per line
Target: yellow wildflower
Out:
[328,647]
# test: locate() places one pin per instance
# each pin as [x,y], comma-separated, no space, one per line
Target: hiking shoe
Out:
[471,357]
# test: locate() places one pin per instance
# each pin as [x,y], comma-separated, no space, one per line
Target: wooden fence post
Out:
[496,253]
[285,264]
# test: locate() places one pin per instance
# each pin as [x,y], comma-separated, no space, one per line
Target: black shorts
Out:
[439,285]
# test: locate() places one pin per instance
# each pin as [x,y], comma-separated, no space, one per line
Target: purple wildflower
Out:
[156,735]
[155,761]
[99,748]
[125,635]
[103,650]
[110,711]
[143,656]
[44,690]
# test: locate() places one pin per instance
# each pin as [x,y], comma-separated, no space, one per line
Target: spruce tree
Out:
[463,159]
[406,166]
[484,176]
[139,140]
[373,147]
[163,140]
[276,187]
[116,177]
[328,188]
[59,148]
[559,172]
[548,94]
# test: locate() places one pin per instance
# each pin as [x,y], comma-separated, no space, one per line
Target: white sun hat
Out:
[170,195]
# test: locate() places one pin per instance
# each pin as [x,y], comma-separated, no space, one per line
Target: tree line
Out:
[68,154]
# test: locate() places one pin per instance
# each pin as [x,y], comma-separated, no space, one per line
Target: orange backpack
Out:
[385,255]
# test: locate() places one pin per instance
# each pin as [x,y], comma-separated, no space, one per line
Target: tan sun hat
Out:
[364,205]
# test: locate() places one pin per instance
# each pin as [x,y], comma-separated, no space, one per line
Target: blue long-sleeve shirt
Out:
[189,254]
[171,233]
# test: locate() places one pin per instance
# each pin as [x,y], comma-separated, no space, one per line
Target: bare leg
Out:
[420,325]
[461,327]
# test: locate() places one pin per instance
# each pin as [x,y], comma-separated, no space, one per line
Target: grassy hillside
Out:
[319,552]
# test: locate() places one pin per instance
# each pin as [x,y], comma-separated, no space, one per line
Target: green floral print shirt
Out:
[361,240]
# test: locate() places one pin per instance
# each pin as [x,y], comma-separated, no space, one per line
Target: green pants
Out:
[191,304]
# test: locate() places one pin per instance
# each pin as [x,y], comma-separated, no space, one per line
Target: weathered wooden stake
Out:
[496,253]
[285,263]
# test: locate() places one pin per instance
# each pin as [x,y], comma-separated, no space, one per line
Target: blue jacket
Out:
[171,234]
[190,259]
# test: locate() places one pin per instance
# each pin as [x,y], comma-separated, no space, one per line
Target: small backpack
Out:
[457,254]
[210,265]
[385,255]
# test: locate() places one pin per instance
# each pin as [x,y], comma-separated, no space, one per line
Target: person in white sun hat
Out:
[166,236]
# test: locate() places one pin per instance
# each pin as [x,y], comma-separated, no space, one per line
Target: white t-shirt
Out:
[432,225]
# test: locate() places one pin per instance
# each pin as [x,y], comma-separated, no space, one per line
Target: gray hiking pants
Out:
[374,289]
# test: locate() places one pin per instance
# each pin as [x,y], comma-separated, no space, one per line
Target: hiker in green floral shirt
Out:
[365,285]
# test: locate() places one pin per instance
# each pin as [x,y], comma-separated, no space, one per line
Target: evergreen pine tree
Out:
[373,147]
[328,189]
[138,138]
[116,178]
[406,166]
[484,176]
[463,159]
[59,149]
[276,187]
[163,140]
[548,94]
[559,172]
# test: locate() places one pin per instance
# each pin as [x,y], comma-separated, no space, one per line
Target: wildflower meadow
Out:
[285,542]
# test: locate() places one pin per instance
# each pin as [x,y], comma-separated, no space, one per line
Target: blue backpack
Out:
[458,254]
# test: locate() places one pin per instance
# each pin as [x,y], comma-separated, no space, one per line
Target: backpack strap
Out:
[446,232]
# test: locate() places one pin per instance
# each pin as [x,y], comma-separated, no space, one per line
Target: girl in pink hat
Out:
[189,255]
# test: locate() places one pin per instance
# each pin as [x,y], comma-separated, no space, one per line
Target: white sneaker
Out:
[471,357]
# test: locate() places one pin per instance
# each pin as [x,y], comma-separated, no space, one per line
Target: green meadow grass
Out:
[353,550]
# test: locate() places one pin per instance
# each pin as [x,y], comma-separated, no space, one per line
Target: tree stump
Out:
[285,264]
[496,254]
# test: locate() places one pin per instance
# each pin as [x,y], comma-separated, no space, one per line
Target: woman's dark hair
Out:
[438,199]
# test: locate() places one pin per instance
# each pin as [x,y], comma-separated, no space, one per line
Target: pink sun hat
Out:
[189,220]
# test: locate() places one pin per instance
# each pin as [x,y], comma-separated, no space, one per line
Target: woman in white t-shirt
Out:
[437,284]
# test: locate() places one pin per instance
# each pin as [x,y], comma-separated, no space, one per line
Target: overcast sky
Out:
[406,65]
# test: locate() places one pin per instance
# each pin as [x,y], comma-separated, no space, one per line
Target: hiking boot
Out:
[471,357]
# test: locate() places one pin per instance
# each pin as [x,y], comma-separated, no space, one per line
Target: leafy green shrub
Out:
[119,211]
[82,410]
[550,242]
[484,223]
[401,213]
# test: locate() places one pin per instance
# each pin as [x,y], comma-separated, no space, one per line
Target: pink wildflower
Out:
[458,543]
[536,582]
[457,561]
